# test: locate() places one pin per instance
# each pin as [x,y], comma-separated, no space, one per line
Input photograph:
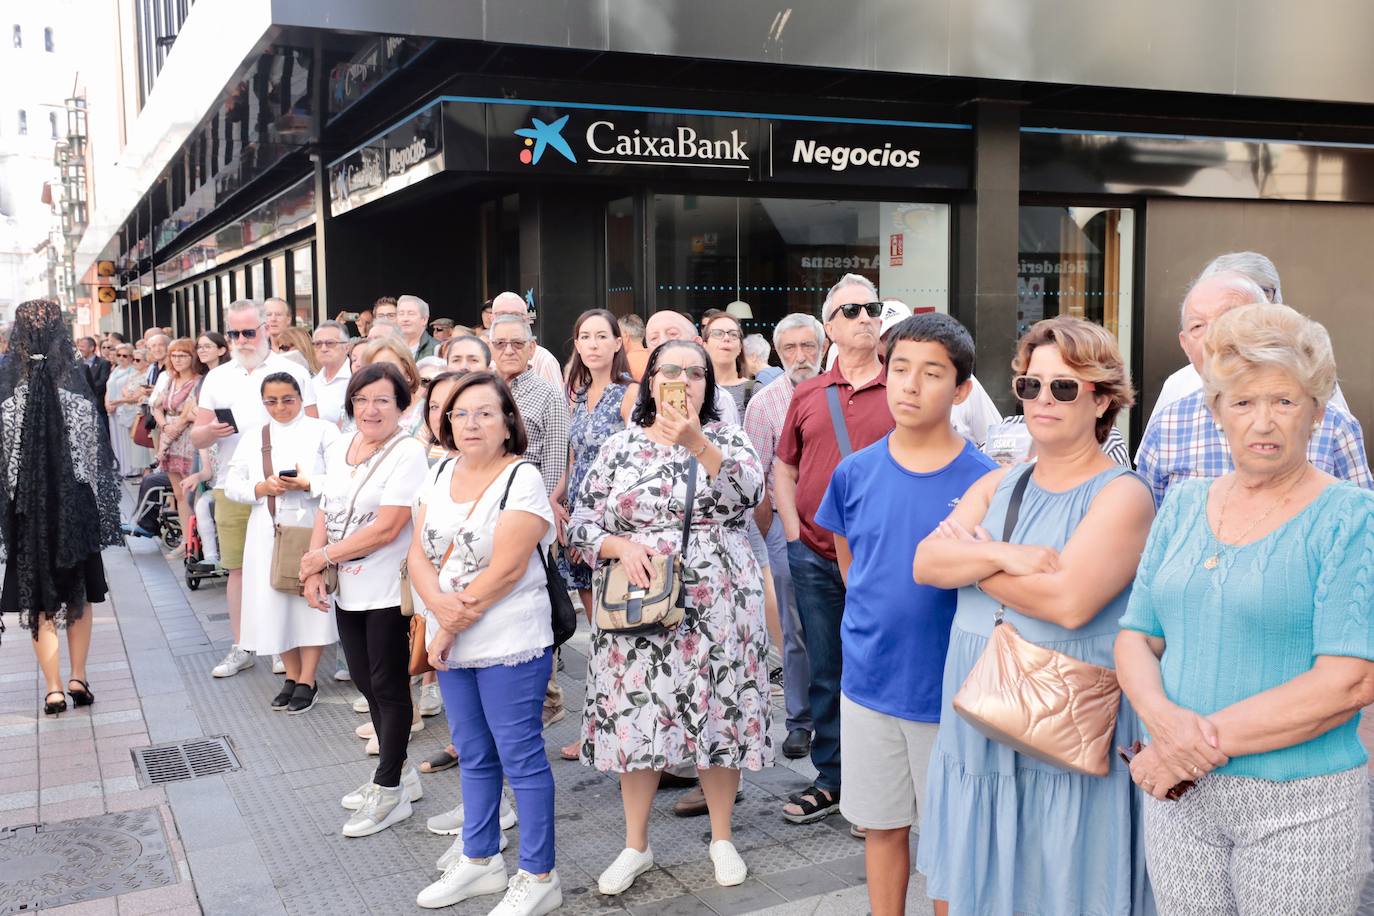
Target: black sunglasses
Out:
[851,311]
[250,334]
[1028,388]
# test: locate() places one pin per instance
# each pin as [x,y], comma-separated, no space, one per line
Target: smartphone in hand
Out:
[675,393]
[225,415]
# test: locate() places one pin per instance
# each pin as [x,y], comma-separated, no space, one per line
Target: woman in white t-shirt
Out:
[363,529]
[475,563]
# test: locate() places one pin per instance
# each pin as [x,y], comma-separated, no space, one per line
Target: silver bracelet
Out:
[324,552]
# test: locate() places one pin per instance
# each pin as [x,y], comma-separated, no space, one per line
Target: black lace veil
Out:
[59,491]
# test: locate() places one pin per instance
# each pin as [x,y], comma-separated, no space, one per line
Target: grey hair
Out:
[517,320]
[845,281]
[331,323]
[421,305]
[386,323]
[798,320]
[1237,284]
[244,305]
[756,347]
[1251,264]
[276,299]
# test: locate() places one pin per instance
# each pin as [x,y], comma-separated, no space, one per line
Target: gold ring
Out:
[1196,771]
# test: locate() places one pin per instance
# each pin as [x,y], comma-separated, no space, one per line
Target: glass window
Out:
[622,297]
[52,123]
[279,287]
[47,40]
[303,285]
[781,255]
[500,247]
[256,288]
[23,122]
[241,290]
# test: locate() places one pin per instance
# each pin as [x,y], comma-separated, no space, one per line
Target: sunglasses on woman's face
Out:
[672,371]
[1027,388]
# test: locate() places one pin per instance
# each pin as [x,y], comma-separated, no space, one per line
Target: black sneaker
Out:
[280,701]
[302,699]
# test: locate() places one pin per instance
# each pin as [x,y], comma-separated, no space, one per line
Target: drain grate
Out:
[184,760]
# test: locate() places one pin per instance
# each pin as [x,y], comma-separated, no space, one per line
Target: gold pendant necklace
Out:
[1214,560]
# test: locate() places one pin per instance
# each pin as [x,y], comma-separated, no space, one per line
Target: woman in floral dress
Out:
[696,695]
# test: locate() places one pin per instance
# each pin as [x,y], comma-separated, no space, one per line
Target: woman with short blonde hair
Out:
[1258,585]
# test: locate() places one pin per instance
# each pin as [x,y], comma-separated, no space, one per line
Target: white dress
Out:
[274,621]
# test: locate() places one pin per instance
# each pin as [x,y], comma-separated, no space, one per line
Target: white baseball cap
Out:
[894,310]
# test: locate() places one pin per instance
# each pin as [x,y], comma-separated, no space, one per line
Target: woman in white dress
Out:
[274,622]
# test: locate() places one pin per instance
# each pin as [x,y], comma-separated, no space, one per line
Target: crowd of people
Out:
[856,530]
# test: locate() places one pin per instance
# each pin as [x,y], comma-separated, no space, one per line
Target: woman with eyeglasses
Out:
[697,695]
[362,532]
[174,409]
[275,622]
[123,409]
[1003,832]
[212,349]
[297,340]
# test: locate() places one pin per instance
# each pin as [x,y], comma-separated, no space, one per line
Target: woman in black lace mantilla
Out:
[59,495]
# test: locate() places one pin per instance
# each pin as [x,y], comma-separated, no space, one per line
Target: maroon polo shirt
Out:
[808,441]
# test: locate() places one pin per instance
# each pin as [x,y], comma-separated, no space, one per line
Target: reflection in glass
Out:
[621,296]
[303,285]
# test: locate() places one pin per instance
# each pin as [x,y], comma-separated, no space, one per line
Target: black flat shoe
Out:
[302,699]
[52,709]
[798,744]
[82,697]
[280,701]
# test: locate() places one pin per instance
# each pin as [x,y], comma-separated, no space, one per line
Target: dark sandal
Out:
[815,803]
[82,697]
[439,762]
[52,709]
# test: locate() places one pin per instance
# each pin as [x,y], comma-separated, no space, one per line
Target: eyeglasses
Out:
[851,311]
[724,334]
[1027,388]
[361,403]
[326,344]
[288,401]
[508,344]
[462,417]
[672,371]
[249,334]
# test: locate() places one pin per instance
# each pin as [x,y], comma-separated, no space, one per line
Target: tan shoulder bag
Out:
[289,542]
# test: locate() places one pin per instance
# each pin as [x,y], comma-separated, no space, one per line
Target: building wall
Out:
[1321,251]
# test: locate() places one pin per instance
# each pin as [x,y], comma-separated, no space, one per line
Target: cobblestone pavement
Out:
[265,839]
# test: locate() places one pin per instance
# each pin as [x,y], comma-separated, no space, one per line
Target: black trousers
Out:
[377,647]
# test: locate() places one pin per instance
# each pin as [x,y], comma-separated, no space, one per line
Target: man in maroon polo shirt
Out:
[848,402]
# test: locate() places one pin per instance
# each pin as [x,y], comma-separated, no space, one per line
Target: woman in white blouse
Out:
[474,560]
[275,622]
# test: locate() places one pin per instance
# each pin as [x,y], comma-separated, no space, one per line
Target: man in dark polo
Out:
[849,402]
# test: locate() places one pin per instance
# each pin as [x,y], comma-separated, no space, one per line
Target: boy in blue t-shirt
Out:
[881,502]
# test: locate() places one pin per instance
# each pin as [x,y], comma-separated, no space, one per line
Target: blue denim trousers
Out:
[494,717]
[796,670]
[820,603]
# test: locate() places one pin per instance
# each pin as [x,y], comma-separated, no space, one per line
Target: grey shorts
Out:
[883,763]
[1235,845]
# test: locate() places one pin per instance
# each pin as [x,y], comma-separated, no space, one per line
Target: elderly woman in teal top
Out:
[1248,642]
[1003,833]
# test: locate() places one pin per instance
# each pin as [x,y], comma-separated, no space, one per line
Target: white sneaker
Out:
[410,779]
[237,660]
[431,703]
[374,747]
[360,704]
[341,673]
[451,822]
[278,666]
[528,896]
[730,868]
[365,731]
[455,852]
[381,808]
[463,879]
[630,864]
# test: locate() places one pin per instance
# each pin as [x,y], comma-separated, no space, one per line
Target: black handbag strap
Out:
[832,397]
[690,503]
[1014,504]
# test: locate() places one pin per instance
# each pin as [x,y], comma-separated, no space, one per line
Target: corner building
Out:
[1003,160]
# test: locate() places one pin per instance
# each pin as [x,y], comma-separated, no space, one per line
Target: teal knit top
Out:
[1262,616]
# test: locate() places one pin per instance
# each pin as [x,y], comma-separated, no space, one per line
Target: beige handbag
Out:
[1037,701]
[289,542]
[622,607]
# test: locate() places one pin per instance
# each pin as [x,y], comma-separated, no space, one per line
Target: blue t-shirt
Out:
[895,633]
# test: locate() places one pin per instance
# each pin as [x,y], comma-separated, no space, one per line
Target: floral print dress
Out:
[697,695]
[587,430]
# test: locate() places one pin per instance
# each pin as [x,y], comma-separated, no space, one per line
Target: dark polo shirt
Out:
[808,441]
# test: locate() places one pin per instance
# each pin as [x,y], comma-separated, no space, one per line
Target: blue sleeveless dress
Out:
[1002,833]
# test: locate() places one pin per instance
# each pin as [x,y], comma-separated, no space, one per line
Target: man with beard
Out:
[798,338]
[237,386]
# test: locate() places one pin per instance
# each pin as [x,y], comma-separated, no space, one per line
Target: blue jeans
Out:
[796,669]
[820,603]
[494,717]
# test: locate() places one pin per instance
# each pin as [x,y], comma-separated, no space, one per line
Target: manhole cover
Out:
[183,760]
[85,859]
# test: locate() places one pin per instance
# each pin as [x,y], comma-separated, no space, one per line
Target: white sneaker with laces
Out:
[451,822]
[410,779]
[360,704]
[630,864]
[455,852]
[464,879]
[278,666]
[237,660]
[381,808]
[730,868]
[529,896]
[431,702]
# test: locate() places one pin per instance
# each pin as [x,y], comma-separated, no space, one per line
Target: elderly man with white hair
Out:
[544,363]
[236,386]
[412,314]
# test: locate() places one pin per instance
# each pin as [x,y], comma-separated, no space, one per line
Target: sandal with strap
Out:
[52,709]
[439,762]
[82,697]
[813,803]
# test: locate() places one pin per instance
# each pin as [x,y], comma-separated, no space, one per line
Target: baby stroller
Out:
[155,516]
[197,570]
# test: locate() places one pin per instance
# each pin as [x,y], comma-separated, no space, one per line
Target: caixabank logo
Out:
[540,137]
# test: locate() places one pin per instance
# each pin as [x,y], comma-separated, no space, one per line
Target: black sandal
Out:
[439,762]
[52,709]
[815,803]
[82,697]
